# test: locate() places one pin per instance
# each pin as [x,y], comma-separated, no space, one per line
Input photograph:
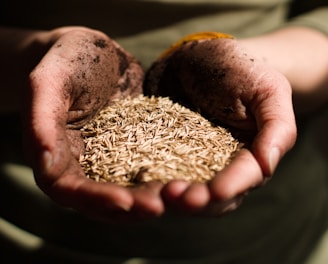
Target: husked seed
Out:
[140,139]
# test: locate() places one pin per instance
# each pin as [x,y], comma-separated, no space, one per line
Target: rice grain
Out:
[140,139]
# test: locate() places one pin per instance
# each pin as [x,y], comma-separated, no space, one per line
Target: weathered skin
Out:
[212,76]
[218,78]
[79,75]
[96,74]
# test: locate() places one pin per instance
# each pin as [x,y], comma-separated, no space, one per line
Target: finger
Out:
[172,191]
[186,197]
[216,208]
[241,175]
[57,171]
[276,124]
[61,177]
[195,197]
[147,200]
[76,143]
[73,189]
[46,121]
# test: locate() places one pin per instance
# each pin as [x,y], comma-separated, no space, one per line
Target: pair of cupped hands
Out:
[81,70]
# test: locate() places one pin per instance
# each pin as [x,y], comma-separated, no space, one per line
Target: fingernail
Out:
[47,159]
[274,159]
[227,206]
[124,207]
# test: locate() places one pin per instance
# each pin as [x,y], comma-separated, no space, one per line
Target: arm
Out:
[20,51]
[13,45]
[301,54]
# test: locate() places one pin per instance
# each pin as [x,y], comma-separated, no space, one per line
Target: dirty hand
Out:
[227,85]
[82,71]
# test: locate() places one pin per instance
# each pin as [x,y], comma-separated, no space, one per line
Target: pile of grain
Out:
[151,138]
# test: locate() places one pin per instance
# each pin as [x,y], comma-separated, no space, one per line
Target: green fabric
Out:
[317,19]
[280,223]
[290,210]
[147,27]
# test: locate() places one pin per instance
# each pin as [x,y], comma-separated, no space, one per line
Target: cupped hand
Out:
[80,74]
[227,85]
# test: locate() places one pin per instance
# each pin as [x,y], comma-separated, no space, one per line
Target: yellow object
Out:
[193,37]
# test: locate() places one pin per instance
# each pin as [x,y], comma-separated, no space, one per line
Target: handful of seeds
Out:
[140,139]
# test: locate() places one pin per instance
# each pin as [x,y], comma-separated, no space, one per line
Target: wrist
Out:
[301,55]
[16,54]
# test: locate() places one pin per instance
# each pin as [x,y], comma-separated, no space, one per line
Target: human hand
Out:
[80,74]
[219,78]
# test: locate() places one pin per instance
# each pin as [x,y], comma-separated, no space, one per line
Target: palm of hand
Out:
[80,74]
[219,79]
[84,71]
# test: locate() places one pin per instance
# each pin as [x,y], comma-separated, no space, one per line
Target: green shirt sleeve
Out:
[317,19]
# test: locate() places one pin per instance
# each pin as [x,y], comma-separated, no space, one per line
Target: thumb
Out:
[45,125]
[276,125]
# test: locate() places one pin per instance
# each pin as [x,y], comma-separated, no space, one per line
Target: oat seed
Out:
[140,139]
